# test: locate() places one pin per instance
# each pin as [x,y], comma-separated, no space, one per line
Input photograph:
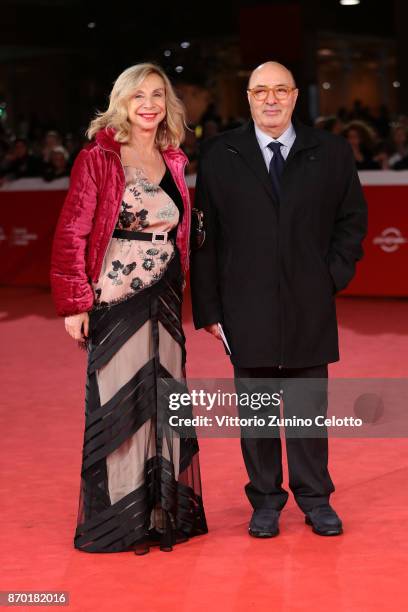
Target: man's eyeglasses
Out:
[280,92]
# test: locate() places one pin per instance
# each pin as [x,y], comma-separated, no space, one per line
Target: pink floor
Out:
[365,570]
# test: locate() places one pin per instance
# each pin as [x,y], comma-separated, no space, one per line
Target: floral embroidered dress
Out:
[140,479]
[132,265]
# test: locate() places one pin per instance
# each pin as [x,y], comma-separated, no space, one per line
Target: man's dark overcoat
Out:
[268,270]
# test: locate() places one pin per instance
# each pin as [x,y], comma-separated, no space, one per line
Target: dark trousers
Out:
[309,478]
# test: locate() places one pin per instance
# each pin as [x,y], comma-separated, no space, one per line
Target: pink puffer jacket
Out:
[88,218]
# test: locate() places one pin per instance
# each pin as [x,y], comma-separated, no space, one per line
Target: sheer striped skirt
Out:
[140,481]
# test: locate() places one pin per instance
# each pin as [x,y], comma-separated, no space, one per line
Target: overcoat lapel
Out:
[244,143]
[305,139]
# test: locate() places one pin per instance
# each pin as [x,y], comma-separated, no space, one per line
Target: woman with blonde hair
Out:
[120,255]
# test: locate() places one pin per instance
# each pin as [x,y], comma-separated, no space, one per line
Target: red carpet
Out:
[42,374]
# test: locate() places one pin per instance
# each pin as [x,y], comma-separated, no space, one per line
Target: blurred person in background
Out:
[359,112]
[398,148]
[4,141]
[73,144]
[331,124]
[382,122]
[119,261]
[403,120]
[52,139]
[190,148]
[57,166]
[210,128]
[18,162]
[402,164]
[211,114]
[362,140]
[232,123]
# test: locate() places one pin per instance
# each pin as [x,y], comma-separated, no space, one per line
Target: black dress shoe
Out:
[264,523]
[324,521]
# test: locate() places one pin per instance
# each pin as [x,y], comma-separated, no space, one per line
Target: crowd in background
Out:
[49,156]
[378,142]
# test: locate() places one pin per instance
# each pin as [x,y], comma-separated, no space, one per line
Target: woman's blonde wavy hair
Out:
[170,131]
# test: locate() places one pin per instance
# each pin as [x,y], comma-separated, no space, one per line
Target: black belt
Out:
[154,237]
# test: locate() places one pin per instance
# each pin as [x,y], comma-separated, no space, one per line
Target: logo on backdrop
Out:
[20,236]
[390,240]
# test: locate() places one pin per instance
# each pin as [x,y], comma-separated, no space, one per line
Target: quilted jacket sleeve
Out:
[71,289]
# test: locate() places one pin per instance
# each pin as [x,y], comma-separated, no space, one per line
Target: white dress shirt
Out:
[287,139]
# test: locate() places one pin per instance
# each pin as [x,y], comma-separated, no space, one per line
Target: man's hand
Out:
[73,325]
[213,329]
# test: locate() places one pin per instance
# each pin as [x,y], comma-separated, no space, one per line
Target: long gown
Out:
[140,480]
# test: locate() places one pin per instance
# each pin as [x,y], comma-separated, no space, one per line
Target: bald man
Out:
[285,217]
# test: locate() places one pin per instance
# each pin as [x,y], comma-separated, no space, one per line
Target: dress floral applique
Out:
[132,265]
[126,217]
[167,212]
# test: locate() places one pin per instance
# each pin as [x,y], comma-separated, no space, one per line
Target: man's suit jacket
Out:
[268,270]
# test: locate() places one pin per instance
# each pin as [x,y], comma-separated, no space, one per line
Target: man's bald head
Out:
[271,71]
[272,97]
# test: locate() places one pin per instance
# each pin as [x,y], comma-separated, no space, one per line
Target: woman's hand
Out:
[213,329]
[74,324]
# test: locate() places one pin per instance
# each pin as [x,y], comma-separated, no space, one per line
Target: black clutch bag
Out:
[197,229]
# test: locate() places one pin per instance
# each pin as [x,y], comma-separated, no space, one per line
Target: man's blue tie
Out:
[276,166]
